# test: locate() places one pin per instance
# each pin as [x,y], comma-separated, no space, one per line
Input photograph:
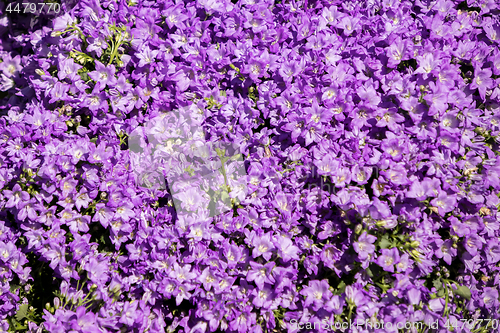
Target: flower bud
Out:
[415,244]
[484,211]
[434,209]
[64,288]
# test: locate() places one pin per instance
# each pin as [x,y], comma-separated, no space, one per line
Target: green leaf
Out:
[102,239]
[438,284]
[21,313]
[341,287]
[225,196]
[369,272]
[463,291]
[384,242]
[14,287]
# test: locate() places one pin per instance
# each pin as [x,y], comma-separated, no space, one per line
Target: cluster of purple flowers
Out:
[394,104]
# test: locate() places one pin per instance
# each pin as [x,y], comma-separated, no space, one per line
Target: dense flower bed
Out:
[370,136]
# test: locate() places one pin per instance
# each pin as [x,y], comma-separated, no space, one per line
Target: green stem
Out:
[223,160]
[446,299]
[113,50]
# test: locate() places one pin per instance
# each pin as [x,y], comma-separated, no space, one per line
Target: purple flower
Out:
[473,244]
[394,148]
[68,186]
[335,304]
[79,223]
[97,270]
[243,321]
[349,24]
[124,212]
[355,296]
[68,69]
[341,176]
[436,305]
[97,44]
[396,174]
[262,246]
[396,52]
[379,209]
[482,81]
[16,197]
[493,251]
[191,199]
[395,105]
[55,254]
[445,250]
[182,273]
[146,56]
[7,250]
[103,75]
[103,214]
[83,199]
[316,294]
[368,93]
[364,245]
[129,313]
[291,69]
[28,211]
[416,191]
[427,63]
[286,249]
[388,259]
[11,67]
[96,100]
[490,298]
[414,296]
[444,202]
[263,297]
[261,274]
[86,321]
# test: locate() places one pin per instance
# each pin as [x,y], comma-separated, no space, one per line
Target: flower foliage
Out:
[370,132]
